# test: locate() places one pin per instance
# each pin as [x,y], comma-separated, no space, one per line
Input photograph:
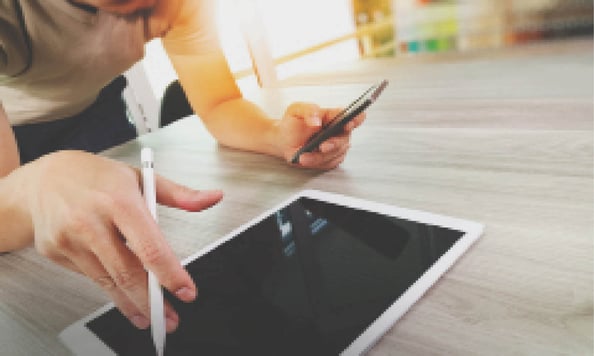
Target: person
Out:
[60,96]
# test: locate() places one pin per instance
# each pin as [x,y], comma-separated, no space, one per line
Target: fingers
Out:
[330,114]
[356,122]
[122,268]
[329,154]
[80,218]
[146,241]
[147,247]
[90,265]
[310,113]
[85,262]
[334,144]
[319,160]
[116,270]
[179,196]
[134,307]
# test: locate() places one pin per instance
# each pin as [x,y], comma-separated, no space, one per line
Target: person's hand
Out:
[300,122]
[89,215]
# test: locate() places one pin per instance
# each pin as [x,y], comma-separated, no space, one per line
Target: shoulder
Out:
[181,16]
[192,30]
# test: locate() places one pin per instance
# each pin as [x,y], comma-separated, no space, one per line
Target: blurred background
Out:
[267,42]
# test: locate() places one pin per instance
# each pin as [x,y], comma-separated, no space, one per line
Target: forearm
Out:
[240,124]
[216,99]
[204,74]
[9,155]
[16,229]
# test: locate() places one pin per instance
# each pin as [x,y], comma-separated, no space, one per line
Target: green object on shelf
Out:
[444,44]
[432,45]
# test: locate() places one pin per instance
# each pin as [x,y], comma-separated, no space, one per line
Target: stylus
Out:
[155,292]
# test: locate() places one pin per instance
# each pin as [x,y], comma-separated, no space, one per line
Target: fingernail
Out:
[170,324]
[186,294]
[140,321]
[305,160]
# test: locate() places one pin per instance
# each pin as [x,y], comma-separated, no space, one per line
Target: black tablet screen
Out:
[307,280]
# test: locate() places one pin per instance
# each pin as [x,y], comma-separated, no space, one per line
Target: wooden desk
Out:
[503,139]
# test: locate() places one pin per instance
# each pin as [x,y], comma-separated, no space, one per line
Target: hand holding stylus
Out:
[89,215]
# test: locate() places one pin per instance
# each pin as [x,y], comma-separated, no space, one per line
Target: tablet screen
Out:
[306,280]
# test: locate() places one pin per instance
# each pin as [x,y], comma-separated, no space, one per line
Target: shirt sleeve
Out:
[14,51]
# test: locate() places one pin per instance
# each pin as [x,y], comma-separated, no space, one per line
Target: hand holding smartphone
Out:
[337,124]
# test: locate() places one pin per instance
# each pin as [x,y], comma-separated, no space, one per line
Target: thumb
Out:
[179,196]
[311,114]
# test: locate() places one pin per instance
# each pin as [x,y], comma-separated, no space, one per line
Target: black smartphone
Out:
[336,125]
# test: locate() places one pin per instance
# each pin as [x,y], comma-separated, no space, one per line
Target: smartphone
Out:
[335,126]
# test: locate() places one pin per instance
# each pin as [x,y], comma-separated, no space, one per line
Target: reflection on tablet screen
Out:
[307,280]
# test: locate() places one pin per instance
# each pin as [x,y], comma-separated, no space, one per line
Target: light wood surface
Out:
[503,138]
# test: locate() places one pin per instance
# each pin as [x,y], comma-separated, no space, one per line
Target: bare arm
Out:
[192,46]
[86,213]
[76,208]
[9,154]
[209,84]
[15,230]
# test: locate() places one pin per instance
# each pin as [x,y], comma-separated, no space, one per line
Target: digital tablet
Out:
[320,274]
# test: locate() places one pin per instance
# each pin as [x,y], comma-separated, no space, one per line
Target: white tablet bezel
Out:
[82,341]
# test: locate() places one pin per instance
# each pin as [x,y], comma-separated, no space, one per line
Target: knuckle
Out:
[94,239]
[79,224]
[124,171]
[61,241]
[108,201]
[151,254]
[119,204]
[118,198]
[115,203]
[126,279]
[130,177]
[106,283]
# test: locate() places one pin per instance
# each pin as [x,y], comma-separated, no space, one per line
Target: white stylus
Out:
[154,288]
